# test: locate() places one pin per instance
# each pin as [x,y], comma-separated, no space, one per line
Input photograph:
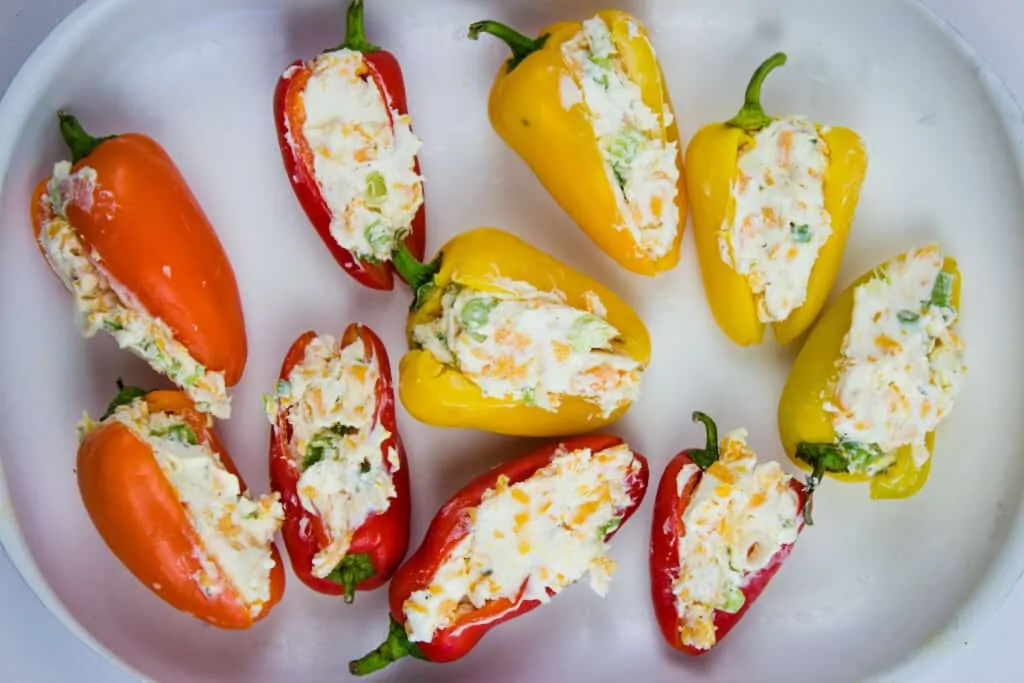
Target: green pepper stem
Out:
[391,650]
[751,116]
[355,30]
[709,455]
[822,457]
[521,46]
[76,138]
[125,395]
[418,275]
[350,572]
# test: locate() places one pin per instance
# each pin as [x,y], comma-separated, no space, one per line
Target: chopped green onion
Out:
[733,601]
[800,233]
[530,396]
[908,317]
[112,325]
[942,290]
[476,312]
[379,237]
[282,387]
[608,527]
[314,454]
[181,433]
[376,189]
[590,332]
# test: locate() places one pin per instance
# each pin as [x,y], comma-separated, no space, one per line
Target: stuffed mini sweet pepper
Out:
[586,106]
[508,543]
[123,231]
[351,156]
[773,201]
[338,463]
[723,525]
[877,375]
[166,498]
[507,339]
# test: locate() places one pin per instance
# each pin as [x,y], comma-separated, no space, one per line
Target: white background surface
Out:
[35,647]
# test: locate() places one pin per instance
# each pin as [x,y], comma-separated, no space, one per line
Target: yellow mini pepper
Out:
[712,159]
[806,428]
[438,394]
[536,108]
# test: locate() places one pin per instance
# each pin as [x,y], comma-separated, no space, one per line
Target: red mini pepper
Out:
[667,529]
[289,117]
[380,543]
[447,529]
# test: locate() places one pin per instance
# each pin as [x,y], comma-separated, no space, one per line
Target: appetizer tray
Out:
[877,588]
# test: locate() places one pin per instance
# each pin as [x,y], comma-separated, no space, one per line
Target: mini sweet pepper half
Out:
[878,373]
[347,144]
[120,227]
[773,202]
[338,461]
[558,507]
[586,106]
[723,524]
[166,498]
[507,339]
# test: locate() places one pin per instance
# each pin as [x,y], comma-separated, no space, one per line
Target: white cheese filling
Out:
[779,222]
[902,363]
[531,346]
[102,304]
[330,400]
[235,532]
[741,514]
[640,163]
[364,155]
[529,540]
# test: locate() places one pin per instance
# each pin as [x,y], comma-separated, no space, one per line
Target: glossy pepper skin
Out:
[558,142]
[144,223]
[380,543]
[439,395]
[712,158]
[447,529]
[138,514]
[806,428]
[667,528]
[289,118]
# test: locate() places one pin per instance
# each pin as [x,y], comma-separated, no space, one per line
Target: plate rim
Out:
[1003,576]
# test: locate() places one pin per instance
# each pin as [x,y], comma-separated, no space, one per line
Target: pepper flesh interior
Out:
[235,531]
[364,155]
[102,304]
[329,401]
[530,538]
[902,362]
[521,343]
[741,514]
[640,162]
[779,222]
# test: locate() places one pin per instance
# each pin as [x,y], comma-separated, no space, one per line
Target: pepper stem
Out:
[521,46]
[350,572]
[822,457]
[418,275]
[355,30]
[751,117]
[709,455]
[125,395]
[391,650]
[76,138]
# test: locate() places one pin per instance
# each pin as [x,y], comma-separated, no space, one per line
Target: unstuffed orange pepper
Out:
[507,339]
[773,201]
[123,231]
[586,106]
[877,375]
[166,498]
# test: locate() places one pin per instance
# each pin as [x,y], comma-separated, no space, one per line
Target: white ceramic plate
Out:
[874,587]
